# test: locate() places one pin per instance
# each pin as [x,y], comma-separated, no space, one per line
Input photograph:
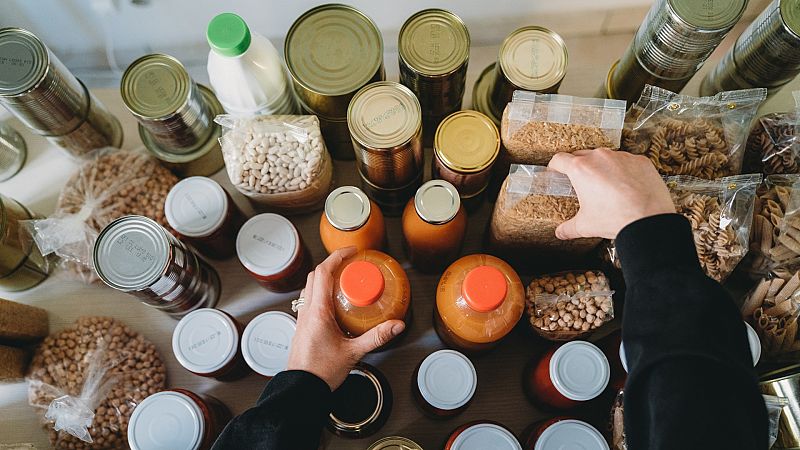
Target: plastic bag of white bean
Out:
[280,162]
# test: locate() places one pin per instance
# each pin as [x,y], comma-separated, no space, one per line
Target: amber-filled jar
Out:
[351,219]
[562,433]
[479,300]
[176,419]
[611,346]
[272,251]
[206,342]
[434,224]
[444,383]
[394,443]
[266,342]
[362,404]
[204,215]
[567,375]
[482,435]
[370,288]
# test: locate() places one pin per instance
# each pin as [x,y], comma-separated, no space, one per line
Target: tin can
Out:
[785,383]
[22,265]
[444,383]
[207,342]
[39,90]
[391,201]
[136,255]
[563,432]
[266,342]
[482,93]
[480,435]
[362,404]
[385,123]
[335,133]
[394,443]
[13,152]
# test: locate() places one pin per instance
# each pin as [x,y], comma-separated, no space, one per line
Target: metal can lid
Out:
[533,58]
[395,443]
[333,49]
[571,433]
[709,16]
[267,244]
[486,435]
[266,342]
[155,86]
[437,202]
[131,253]
[196,206]
[467,141]
[447,379]
[434,42]
[347,208]
[366,383]
[579,370]
[23,61]
[790,14]
[384,114]
[482,93]
[166,420]
[205,340]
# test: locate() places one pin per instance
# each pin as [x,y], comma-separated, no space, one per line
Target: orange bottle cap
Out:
[362,283]
[484,288]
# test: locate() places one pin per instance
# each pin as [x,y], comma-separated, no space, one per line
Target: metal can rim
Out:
[453,165]
[407,135]
[454,67]
[44,63]
[547,82]
[182,94]
[483,105]
[726,26]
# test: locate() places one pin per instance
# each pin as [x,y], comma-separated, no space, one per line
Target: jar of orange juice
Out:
[479,300]
[351,219]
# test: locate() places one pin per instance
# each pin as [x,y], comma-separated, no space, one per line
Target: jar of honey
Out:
[479,300]
[434,224]
[176,419]
[562,433]
[206,342]
[362,404]
[567,375]
[482,435]
[272,251]
[266,342]
[444,383]
[370,288]
[351,219]
[204,215]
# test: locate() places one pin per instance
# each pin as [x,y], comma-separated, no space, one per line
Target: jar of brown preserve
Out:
[444,383]
[563,433]
[266,342]
[482,435]
[206,342]
[362,404]
[351,219]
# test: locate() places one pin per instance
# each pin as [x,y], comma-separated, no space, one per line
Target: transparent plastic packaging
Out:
[771,307]
[280,162]
[774,406]
[537,126]
[773,146]
[697,136]
[775,239]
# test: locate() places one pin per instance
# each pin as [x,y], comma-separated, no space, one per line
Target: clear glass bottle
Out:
[13,152]
[22,265]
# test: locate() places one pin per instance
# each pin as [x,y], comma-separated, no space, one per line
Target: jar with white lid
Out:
[563,433]
[206,343]
[482,435]
[266,342]
[444,383]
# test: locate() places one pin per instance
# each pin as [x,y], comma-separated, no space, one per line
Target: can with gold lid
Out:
[394,443]
[385,123]
[482,93]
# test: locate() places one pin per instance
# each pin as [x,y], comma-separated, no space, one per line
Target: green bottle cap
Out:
[228,35]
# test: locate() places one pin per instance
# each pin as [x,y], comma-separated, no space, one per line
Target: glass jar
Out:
[206,342]
[362,404]
[13,152]
[479,300]
[351,219]
[177,419]
[204,215]
[567,375]
[481,435]
[136,255]
[370,288]
[266,342]
[22,265]
[272,251]
[394,443]
[611,346]
[444,383]
[434,225]
[563,432]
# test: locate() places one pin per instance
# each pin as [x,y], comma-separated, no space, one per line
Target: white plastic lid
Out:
[579,370]
[267,244]
[485,436]
[266,342]
[571,434]
[755,343]
[447,379]
[166,421]
[196,206]
[205,340]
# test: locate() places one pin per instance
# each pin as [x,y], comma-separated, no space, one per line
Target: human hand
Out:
[614,189]
[319,346]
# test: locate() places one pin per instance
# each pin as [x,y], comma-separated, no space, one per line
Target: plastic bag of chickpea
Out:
[569,305]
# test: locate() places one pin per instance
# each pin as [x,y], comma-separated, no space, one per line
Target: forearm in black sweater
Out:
[290,414]
[691,382]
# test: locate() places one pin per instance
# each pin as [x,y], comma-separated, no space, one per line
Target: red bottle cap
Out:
[362,283]
[484,288]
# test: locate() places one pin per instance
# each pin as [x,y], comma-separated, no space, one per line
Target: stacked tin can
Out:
[37,88]
[675,39]
[175,114]
[332,51]
[433,54]
[767,54]
[532,59]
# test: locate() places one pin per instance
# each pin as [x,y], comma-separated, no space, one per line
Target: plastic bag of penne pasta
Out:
[772,309]
[773,146]
[775,239]
[696,136]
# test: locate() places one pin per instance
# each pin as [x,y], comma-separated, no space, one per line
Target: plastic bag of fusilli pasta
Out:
[773,146]
[697,136]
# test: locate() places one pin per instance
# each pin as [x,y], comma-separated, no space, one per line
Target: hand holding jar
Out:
[316,323]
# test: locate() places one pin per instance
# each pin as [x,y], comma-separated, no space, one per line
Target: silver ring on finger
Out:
[298,303]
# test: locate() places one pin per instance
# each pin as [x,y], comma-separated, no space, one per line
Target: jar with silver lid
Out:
[351,219]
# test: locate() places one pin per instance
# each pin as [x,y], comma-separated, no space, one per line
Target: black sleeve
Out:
[691,384]
[290,414]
